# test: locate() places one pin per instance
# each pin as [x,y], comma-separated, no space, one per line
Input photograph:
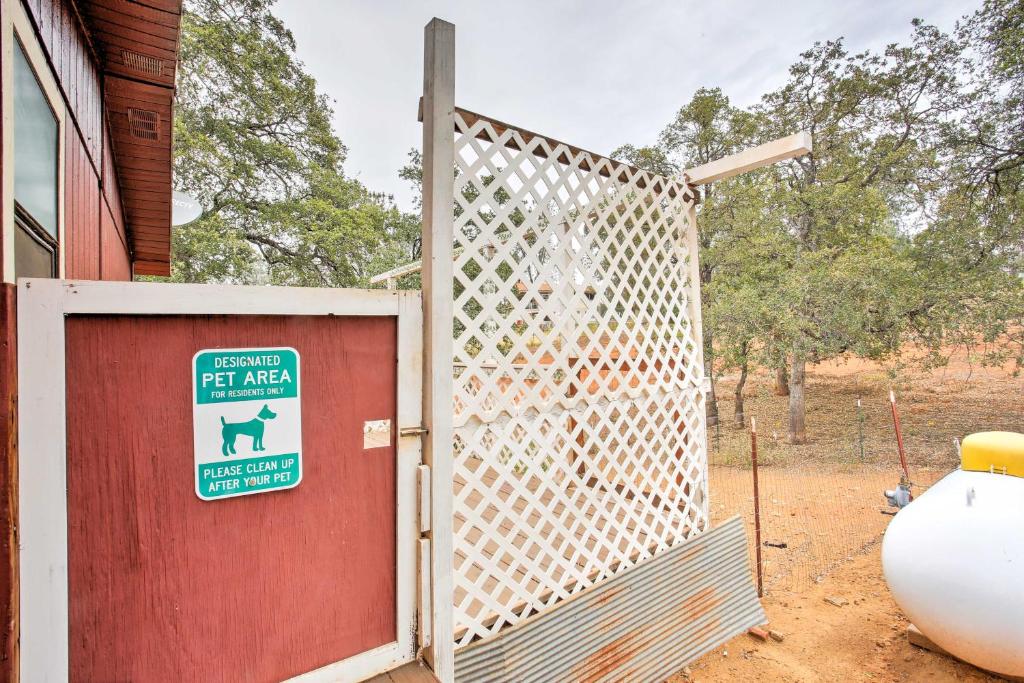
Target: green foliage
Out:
[903,224]
[708,127]
[653,159]
[870,117]
[253,142]
[972,251]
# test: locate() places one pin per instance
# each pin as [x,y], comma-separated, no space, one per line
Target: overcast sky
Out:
[594,73]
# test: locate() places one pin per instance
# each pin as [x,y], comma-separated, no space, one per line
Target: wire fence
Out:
[823,503]
[813,517]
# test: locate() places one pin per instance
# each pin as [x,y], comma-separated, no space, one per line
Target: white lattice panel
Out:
[579,420]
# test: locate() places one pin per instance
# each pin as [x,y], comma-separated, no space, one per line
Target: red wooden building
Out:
[87,90]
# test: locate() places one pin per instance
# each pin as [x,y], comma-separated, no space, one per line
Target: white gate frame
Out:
[438,112]
[43,305]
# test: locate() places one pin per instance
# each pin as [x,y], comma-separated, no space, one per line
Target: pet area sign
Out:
[246,421]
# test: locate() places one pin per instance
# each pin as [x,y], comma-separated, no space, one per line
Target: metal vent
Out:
[143,124]
[144,64]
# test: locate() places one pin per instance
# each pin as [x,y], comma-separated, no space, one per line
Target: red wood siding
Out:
[79,77]
[111,190]
[166,587]
[3,8]
[114,262]
[9,586]
[138,44]
[81,212]
[9,558]
[88,167]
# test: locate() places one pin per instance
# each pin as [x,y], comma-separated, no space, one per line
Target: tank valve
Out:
[899,497]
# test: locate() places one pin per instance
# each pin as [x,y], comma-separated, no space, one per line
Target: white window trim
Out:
[18,26]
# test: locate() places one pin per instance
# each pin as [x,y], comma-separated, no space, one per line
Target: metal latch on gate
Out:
[413,431]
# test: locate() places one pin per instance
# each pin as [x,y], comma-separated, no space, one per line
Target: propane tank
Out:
[954,556]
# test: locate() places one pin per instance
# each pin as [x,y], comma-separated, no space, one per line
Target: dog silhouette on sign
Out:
[254,428]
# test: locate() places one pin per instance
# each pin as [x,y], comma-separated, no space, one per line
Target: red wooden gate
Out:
[164,586]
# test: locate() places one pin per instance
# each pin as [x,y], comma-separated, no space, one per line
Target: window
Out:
[36,145]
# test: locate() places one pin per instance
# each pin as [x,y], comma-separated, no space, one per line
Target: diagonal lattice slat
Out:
[579,420]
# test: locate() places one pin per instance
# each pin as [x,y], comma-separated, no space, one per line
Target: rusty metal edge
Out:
[598,596]
[645,623]
[640,620]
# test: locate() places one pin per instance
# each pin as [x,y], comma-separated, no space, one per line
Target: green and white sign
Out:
[246,421]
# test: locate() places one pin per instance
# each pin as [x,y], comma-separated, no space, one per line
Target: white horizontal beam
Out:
[157,298]
[407,269]
[794,145]
[414,267]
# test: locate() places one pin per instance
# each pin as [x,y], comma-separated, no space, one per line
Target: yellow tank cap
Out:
[1000,452]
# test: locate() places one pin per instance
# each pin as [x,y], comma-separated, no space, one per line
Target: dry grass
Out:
[935,407]
[824,501]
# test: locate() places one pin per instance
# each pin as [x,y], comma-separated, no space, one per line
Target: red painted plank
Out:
[150,249]
[161,50]
[3,207]
[164,5]
[150,263]
[81,212]
[110,33]
[166,587]
[142,266]
[133,9]
[134,90]
[44,20]
[9,481]
[131,13]
[114,261]
[111,189]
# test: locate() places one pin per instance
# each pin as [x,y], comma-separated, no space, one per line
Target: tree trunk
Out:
[781,379]
[738,412]
[712,408]
[709,372]
[797,429]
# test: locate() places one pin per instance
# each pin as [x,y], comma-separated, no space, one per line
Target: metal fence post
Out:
[757,506]
[860,428]
[438,215]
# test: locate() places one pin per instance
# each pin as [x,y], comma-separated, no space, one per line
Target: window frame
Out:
[17,29]
[24,222]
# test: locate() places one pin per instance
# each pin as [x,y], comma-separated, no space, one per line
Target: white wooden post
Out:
[696,319]
[693,296]
[438,214]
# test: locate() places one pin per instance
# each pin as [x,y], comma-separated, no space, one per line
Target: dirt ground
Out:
[864,640]
[823,500]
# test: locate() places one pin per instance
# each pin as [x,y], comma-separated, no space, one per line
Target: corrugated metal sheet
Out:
[642,625]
